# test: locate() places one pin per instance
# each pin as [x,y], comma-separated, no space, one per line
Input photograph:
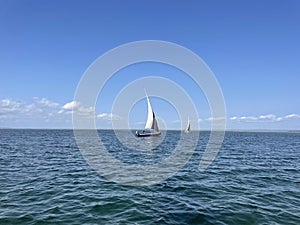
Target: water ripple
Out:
[254,180]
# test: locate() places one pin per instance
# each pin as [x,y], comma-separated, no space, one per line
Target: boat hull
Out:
[147,134]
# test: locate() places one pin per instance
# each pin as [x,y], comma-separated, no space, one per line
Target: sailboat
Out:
[151,128]
[188,127]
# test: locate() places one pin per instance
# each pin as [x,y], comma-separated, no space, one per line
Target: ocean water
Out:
[255,179]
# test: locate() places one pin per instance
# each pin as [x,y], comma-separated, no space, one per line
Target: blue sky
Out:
[251,46]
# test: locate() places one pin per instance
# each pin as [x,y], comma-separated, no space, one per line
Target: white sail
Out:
[151,120]
[151,128]
[150,115]
[188,127]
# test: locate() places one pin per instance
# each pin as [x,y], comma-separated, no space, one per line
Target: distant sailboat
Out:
[151,128]
[188,127]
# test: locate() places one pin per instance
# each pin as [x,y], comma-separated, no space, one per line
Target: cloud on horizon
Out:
[108,116]
[44,112]
[264,118]
[76,107]
[15,113]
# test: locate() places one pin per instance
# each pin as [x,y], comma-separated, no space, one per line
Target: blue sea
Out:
[255,179]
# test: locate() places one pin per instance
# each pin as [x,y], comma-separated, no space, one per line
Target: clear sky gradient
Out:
[252,47]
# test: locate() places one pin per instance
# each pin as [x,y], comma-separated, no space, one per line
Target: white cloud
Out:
[244,118]
[215,119]
[11,108]
[76,107]
[264,118]
[45,102]
[292,116]
[25,114]
[71,105]
[102,115]
[15,113]
[108,116]
[8,106]
[5,102]
[270,117]
[42,111]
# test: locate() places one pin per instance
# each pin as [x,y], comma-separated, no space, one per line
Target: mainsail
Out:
[151,120]
[188,127]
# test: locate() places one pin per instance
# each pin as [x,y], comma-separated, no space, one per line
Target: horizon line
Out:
[204,130]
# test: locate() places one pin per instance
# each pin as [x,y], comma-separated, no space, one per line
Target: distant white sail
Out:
[188,127]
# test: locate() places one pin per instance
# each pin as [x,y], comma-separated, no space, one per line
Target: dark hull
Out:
[147,134]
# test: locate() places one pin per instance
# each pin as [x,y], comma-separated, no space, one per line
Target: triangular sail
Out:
[151,121]
[150,115]
[188,127]
[154,124]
